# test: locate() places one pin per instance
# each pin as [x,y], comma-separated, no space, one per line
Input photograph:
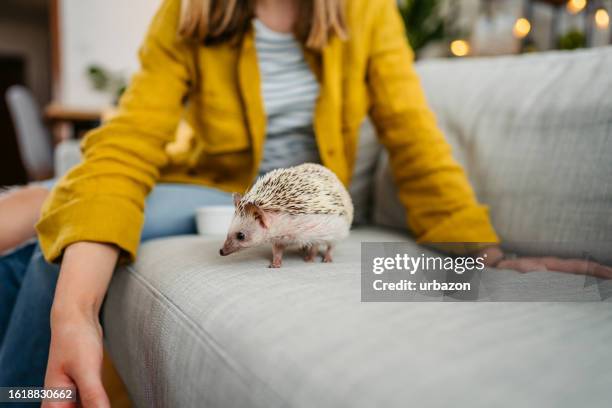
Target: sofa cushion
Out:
[362,182]
[534,133]
[188,328]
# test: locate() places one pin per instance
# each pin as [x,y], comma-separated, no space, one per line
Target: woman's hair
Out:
[219,21]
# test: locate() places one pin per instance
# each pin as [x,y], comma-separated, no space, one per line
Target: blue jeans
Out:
[27,282]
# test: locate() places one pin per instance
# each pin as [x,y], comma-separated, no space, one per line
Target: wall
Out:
[104,32]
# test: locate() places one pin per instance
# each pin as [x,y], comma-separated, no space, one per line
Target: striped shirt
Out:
[289,90]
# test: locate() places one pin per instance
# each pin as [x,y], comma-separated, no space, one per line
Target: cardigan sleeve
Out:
[440,203]
[102,199]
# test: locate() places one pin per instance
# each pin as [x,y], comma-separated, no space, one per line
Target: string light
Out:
[522,27]
[602,19]
[460,48]
[576,6]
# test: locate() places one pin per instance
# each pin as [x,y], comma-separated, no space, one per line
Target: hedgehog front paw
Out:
[277,255]
[275,264]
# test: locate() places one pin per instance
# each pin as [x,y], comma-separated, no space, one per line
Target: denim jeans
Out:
[27,282]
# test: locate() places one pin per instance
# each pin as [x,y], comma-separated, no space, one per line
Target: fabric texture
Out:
[189,328]
[289,90]
[534,135]
[102,199]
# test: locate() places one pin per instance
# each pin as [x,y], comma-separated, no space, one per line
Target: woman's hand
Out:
[495,258]
[75,355]
[75,359]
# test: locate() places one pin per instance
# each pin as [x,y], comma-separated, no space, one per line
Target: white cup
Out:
[214,220]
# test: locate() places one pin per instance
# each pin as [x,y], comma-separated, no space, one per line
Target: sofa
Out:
[188,328]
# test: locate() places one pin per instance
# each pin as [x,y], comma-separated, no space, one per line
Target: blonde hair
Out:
[218,21]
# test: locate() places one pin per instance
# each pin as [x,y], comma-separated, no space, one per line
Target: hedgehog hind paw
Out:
[327,256]
[309,258]
[309,252]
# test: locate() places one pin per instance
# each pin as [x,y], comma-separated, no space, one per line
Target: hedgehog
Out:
[305,206]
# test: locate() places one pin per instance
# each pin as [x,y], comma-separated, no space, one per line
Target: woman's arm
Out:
[75,357]
[494,257]
[440,203]
[102,199]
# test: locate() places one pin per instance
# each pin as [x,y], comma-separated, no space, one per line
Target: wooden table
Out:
[71,121]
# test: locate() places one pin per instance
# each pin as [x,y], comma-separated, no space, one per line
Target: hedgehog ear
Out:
[236,197]
[258,213]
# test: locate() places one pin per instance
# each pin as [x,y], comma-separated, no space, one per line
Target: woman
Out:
[264,84]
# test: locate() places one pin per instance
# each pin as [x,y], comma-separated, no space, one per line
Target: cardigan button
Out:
[192,172]
[331,152]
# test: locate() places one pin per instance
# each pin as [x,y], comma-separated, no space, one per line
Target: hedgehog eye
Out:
[240,236]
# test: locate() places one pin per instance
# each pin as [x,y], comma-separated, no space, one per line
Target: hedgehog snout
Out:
[228,248]
[225,251]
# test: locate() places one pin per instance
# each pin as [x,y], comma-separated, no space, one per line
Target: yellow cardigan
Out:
[216,90]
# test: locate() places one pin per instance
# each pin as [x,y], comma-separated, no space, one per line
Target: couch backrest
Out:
[534,133]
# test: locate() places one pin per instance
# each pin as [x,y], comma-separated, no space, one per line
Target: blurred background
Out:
[63,63]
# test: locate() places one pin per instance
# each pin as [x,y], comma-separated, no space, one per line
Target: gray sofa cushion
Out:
[362,183]
[188,328]
[535,136]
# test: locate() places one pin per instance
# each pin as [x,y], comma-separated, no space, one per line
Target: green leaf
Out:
[423,21]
